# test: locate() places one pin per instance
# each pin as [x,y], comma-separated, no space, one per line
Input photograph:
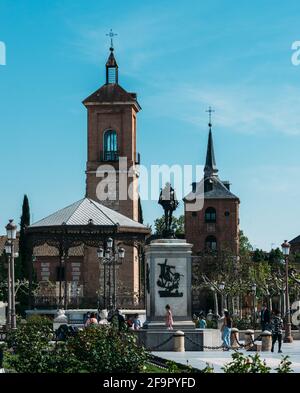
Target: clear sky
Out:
[180,57]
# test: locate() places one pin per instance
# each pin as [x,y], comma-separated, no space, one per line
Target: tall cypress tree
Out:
[24,252]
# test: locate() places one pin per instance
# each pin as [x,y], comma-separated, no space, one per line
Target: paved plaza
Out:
[217,359]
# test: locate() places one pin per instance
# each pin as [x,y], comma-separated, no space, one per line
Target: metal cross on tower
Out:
[210,111]
[111,34]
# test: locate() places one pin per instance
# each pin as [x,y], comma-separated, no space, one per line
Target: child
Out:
[169,318]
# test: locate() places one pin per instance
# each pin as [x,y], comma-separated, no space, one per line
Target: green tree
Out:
[245,245]
[177,225]
[24,251]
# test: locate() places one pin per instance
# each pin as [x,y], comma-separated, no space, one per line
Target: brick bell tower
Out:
[111,171]
[215,226]
[112,167]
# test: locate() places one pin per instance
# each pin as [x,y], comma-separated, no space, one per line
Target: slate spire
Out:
[210,168]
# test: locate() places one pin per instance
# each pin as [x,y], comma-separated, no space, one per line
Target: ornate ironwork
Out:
[65,237]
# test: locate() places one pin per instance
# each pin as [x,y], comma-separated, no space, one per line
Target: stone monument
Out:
[168,273]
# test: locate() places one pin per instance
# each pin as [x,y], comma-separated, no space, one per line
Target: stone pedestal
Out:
[235,338]
[266,341]
[178,341]
[249,337]
[169,281]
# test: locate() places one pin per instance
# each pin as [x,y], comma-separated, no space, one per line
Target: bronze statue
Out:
[167,199]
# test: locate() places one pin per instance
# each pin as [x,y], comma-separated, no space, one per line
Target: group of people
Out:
[273,323]
[116,317]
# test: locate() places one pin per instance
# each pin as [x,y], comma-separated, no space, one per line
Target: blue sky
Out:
[180,57]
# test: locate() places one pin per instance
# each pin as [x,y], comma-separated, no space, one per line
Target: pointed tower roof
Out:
[111,92]
[111,61]
[210,168]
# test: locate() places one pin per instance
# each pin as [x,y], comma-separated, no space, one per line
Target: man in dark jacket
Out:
[277,326]
[264,317]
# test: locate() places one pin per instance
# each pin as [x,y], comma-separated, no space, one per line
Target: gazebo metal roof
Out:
[84,222]
[87,211]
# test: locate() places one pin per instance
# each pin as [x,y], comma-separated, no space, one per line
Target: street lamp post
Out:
[11,232]
[288,338]
[7,248]
[254,301]
[110,258]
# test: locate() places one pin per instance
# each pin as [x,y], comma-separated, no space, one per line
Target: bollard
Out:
[178,341]
[249,337]
[266,341]
[234,338]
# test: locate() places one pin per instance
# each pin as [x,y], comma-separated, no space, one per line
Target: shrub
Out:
[38,320]
[244,324]
[284,366]
[30,343]
[246,364]
[99,349]
[213,324]
[106,349]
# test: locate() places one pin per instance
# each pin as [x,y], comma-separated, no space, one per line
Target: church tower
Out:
[112,163]
[111,171]
[215,226]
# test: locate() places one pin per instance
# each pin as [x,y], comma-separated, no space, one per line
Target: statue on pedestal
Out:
[169,202]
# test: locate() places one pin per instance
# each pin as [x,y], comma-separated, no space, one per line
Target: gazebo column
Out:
[66,257]
[61,257]
[63,295]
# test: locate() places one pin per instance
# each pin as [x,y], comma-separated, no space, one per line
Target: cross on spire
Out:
[210,111]
[111,34]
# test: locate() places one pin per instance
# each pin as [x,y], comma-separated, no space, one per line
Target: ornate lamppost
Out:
[288,338]
[253,288]
[11,232]
[110,257]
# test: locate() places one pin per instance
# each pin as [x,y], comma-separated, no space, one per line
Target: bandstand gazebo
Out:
[85,225]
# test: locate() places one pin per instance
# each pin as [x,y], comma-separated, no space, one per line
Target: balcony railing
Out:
[113,156]
[110,155]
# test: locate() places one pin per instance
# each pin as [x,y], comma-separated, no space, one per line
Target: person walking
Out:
[276,325]
[169,317]
[226,331]
[265,317]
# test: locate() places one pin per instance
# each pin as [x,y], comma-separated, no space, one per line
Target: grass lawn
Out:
[151,368]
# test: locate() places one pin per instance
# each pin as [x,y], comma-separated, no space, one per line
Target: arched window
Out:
[110,146]
[210,215]
[211,243]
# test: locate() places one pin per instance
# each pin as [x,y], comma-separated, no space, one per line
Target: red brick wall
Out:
[226,229]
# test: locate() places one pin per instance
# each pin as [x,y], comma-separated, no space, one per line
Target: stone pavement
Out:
[218,358]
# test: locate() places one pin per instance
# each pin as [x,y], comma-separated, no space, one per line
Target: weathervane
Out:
[209,114]
[111,34]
